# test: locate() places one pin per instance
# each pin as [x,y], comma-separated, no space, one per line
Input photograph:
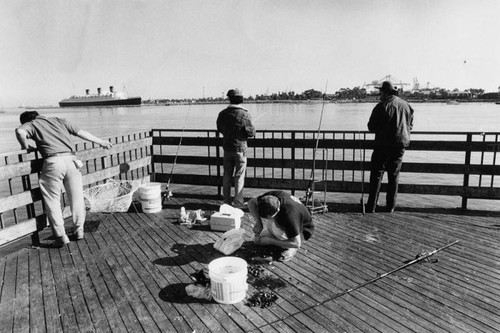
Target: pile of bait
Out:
[262,299]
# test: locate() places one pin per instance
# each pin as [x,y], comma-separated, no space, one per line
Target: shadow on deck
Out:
[131,270]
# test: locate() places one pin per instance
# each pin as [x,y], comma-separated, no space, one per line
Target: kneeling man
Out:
[280,220]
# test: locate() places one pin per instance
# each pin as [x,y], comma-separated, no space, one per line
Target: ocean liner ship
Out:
[111,98]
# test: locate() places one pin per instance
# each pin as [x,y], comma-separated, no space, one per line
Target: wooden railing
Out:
[461,164]
[437,163]
[21,206]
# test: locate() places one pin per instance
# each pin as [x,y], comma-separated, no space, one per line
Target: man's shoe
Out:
[77,235]
[288,254]
[60,242]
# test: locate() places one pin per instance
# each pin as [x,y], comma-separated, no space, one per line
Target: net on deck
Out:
[113,196]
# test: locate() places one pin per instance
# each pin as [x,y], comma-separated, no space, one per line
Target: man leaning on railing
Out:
[52,137]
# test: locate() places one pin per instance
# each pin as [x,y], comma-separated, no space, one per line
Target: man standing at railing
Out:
[60,168]
[235,124]
[391,121]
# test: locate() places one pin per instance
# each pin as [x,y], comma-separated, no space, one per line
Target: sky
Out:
[50,50]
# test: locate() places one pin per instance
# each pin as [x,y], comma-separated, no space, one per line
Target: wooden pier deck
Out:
[130,272]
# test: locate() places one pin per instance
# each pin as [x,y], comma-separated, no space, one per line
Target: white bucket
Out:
[151,210]
[150,196]
[150,191]
[228,279]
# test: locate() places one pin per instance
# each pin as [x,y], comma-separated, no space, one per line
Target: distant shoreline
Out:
[319,101]
[312,101]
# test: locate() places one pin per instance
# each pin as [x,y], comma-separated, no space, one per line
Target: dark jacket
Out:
[235,124]
[391,121]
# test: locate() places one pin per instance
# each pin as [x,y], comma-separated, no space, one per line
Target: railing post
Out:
[466,170]
[151,153]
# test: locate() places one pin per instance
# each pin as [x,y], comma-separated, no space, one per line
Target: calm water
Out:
[108,122]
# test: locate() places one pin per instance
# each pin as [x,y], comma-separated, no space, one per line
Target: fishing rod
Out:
[409,263]
[310,189]
[417,259]
[361,162]
[167,193]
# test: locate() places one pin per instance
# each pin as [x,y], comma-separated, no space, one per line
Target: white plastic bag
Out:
[189,217]
[230,210]
[230,241]
[198,291]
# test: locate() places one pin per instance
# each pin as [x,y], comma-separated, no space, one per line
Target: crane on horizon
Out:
[389,78]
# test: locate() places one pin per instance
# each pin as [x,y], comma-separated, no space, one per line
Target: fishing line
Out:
[310,189]
[361,162]
[319,132]
[178,147]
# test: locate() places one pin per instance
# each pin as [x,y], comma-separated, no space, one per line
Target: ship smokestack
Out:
[87,91]
[111,89]
[98,91]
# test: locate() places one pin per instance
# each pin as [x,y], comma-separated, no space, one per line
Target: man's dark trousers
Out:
[387,159]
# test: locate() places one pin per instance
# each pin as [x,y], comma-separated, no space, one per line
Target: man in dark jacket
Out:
[391,121]
[235,124]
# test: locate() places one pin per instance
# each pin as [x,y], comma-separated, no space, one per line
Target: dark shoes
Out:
[77,235]
[372,210]
[60,242]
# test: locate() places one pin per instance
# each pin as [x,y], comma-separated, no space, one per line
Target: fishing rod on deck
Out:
[407,264]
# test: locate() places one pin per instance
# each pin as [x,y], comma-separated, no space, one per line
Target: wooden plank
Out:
[107,301]
[447,298]
[18,230]
[65,304]
[8,300]
[171,277]
[22,307]
[30,167]
[167,317]
[123,257]
[126,308]
[468,259]
[82,314]
[192,267]
[284,308]
[95,153]
[327,318]
[302,323]
[50,300]
[20,199]
[151,256]
[201,250]
[324,244]
[205,315]
[2,271]
[180,314]
[115,170]
[88,289]
[19,169]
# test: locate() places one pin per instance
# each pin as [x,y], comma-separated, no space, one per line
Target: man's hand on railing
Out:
[105,144]
[30,149]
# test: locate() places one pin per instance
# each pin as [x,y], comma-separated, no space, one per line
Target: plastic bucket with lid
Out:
[150,191]
[228,279]
[150,196]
